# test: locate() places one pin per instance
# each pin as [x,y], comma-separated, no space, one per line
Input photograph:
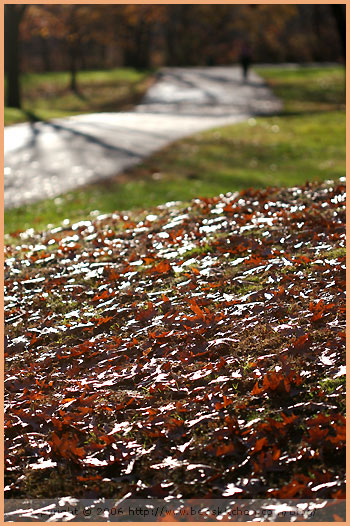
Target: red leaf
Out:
[271,381]
[146,314]
[289,491]
[289,419]
[300,342]
[66,446]
[100,321]
[317,434]
[34,339]
[90,477]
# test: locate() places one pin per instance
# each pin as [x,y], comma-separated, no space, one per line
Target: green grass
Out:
[306,141]
[47,95]
[307,89]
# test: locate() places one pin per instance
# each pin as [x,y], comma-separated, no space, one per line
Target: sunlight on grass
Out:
[282,150]
[305,89]
[47,95]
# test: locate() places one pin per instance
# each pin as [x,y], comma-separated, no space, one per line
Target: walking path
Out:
[45,159]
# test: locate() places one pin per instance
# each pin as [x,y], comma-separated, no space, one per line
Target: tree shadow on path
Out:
[34,119]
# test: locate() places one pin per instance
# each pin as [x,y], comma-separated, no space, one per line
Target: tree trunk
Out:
[13,17]
[339,13]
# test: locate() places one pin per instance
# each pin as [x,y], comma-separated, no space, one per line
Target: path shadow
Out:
[206,100]
[233,82]
[34,120]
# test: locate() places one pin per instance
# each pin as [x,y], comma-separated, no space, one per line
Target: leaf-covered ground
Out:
[193,350]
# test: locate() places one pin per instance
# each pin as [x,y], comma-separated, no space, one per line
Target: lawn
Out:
[305,142]
[307,89]
[47,95]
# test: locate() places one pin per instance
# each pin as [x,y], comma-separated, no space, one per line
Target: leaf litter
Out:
[193,350]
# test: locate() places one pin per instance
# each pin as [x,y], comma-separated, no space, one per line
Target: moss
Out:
[197,251]
[336,253]
[329,385]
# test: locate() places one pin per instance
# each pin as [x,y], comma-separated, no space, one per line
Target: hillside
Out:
[195,349]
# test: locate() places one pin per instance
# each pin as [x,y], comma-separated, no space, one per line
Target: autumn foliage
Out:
[189,350]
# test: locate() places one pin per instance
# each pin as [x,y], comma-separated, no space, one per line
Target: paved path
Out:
[45,159]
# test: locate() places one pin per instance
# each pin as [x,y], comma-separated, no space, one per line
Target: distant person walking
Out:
[245,60]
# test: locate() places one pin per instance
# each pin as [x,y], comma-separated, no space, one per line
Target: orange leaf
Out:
[337,518]
[66,446]
[197,310]
[89,399]
[227,401]
[289,491]
[84,410]
[148,261]
[225,449]
[78,451]
[260,444]
[276,454]
[104,320]
[90,477]
[271,381]
[146,314]
[301,341]
[162,267]
[113,275]
[289,419]
[34,339]
[256,389]
[286,385]
[339,494]
[65,400]
[316,434]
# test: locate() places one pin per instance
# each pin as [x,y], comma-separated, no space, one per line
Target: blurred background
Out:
[78,38]
[63,60]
